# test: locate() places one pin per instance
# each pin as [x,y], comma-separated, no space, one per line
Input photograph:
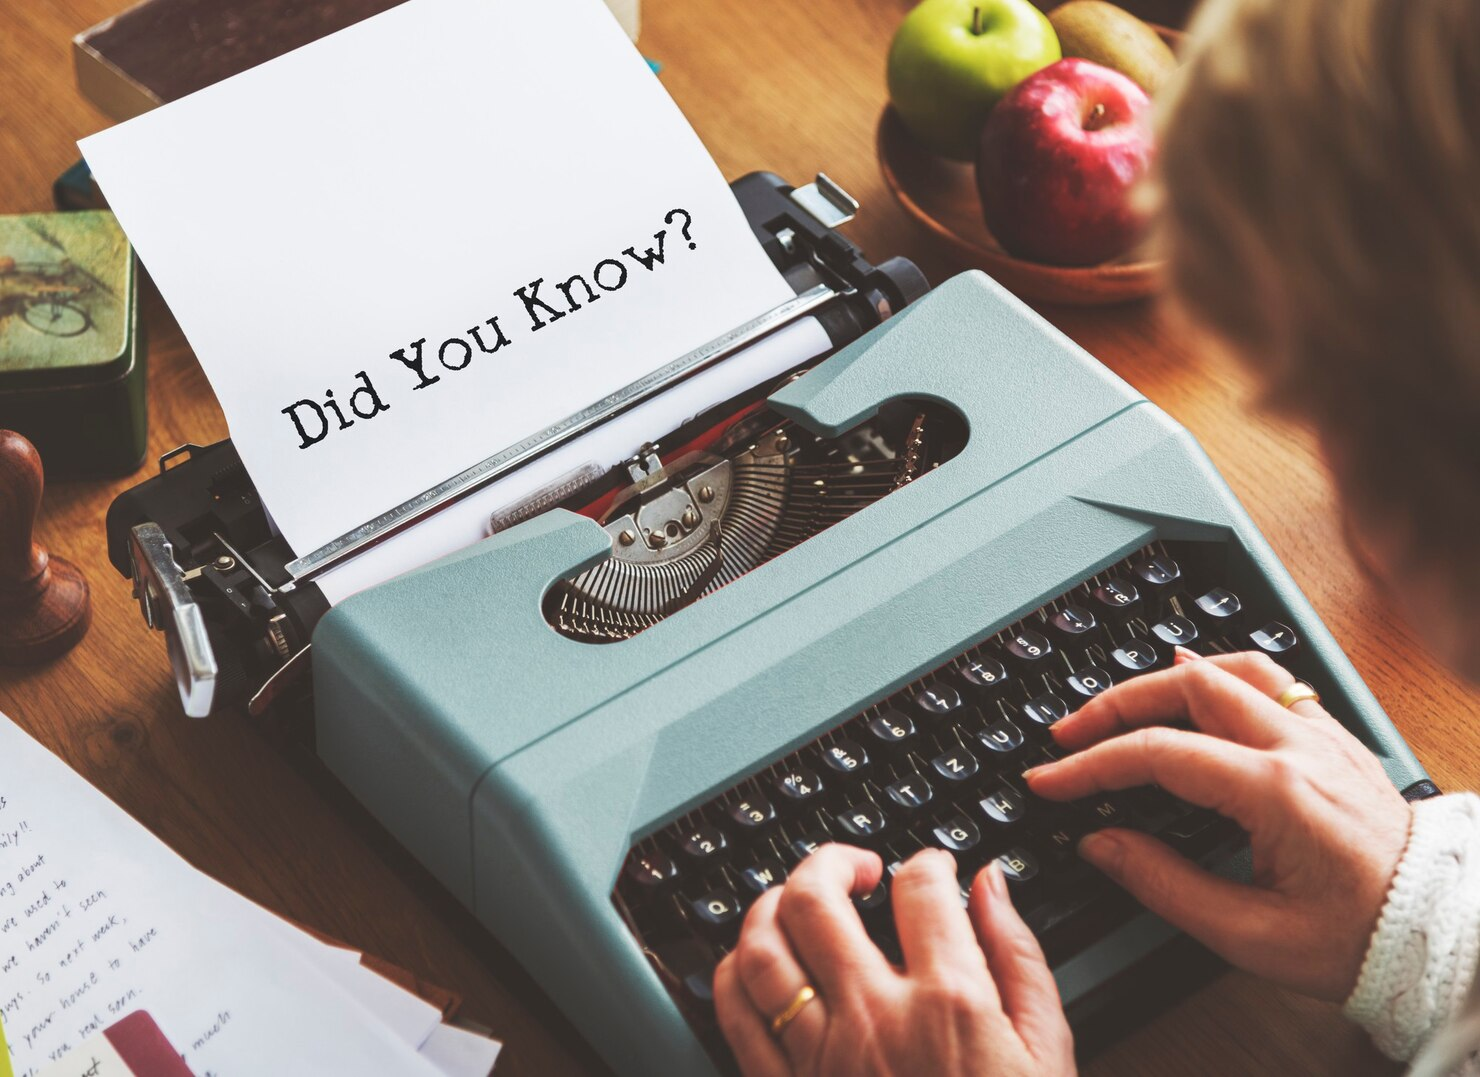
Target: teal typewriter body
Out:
[523,767]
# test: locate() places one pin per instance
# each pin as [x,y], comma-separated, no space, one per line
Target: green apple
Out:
[952,60]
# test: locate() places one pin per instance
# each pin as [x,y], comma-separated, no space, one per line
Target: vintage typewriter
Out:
[844,608]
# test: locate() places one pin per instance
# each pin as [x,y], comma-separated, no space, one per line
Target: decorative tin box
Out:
[71,350]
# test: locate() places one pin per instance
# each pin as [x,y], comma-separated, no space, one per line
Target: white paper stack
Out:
[99,918]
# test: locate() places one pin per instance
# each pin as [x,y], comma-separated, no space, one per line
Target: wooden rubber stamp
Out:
[44,604]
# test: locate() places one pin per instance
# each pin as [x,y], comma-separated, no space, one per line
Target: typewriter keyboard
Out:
[940,763]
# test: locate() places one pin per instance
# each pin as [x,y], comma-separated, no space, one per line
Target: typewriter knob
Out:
[44,604]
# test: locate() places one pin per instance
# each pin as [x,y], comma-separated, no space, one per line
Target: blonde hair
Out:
[1320,178]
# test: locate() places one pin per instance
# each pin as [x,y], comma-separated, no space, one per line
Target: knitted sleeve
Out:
[1421,962]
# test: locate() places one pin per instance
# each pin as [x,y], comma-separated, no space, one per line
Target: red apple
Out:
[1059,156]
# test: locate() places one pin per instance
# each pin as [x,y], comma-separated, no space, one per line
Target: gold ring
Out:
[794,1007]
[1298,692]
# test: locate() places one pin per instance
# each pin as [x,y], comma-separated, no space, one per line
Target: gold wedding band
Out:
[794,1007]
[1298,692]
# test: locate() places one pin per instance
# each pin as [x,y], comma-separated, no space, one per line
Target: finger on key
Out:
[935,934]
[1214,700]
[1269,677]
[1030,996]
[817,913]
[743,1026]
[1200,769]
[771,973]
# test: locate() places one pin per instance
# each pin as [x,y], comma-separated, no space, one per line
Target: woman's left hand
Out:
[974,995]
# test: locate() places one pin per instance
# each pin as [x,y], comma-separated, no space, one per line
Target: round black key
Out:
[808,844]
[1176,631]
[1218,608]
[762,875]
[1157,571]
[716,911]
[1002,737]
[891,727]
[1003,805]
[862,822]
[1103,812]
[845,756]
[1073,623]
[937,699]
[1117,595]
[1018,865]
[876,898]
[958,834]
[752,811]
[910,793]
[1089,682]
[700,986]
[651,869]
[1046,709]
[983,674]
[956,765]
[1274,638]
[1137,656]
[798,784]
[702,841]
[1060,841]
[1029,647]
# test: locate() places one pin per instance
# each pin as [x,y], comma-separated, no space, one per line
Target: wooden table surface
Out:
[791,87]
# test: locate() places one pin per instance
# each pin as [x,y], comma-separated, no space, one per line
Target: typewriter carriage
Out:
[212,573]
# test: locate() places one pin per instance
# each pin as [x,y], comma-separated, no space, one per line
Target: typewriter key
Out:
[798,785]
[958,834]
[752,812]
[910,793]
[1274,639]
[937,699]
[1031,649]
[890,727]
[1137,656]
[651,869]
[982,674]
[1218,610]
[1046,709]
[717,913]
[1089,682]
[1117,597]
[1003,805]
[761,876]
[956,765]
[1102,813]
[808,844]
[1001,737]
[862,822]
[845,757]
[1018,865]
[1176,631]
[703,841]
[1158,576]
[1074,625]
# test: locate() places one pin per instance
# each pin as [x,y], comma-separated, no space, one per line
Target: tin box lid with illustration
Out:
[67,294]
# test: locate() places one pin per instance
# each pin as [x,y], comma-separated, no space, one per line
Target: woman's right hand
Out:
[1326,826]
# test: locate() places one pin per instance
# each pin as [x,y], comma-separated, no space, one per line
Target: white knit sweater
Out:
[1420,966]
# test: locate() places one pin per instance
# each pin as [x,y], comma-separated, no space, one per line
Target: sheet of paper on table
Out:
[98,918]
[427,237]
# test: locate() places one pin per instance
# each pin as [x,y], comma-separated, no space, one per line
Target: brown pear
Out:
[1112,37]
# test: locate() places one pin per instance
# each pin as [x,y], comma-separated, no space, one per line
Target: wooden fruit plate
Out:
[941,195]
